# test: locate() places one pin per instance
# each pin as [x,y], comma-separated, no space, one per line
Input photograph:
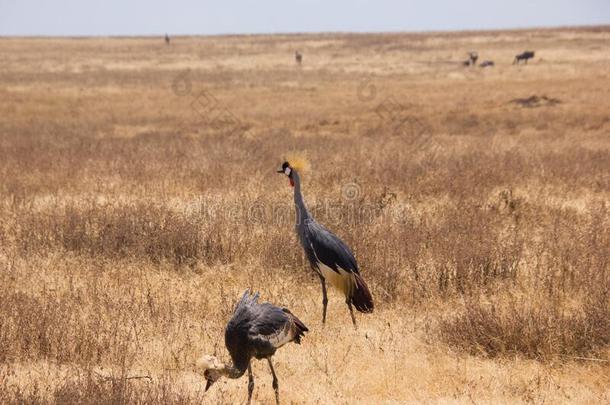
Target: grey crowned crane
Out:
[328,255]
[255,330]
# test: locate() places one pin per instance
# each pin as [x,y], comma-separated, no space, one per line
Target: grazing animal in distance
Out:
[298,57]
[486,63]
[167,39]
[472,59]
[473,55]
[328,256]
[255,330]
[523,57]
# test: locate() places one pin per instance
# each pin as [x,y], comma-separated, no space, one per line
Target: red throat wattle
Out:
[291,182]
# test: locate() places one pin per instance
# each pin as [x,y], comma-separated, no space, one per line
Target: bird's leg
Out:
[324,298]
[351,312]
[250,384]
[275,384]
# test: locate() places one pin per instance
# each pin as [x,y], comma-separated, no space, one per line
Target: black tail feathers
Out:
[361,296]
[298,327]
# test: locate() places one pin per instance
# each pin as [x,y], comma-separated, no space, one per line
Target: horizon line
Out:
[303,33]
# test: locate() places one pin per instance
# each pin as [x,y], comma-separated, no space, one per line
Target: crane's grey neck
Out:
[230,371]
[302,213]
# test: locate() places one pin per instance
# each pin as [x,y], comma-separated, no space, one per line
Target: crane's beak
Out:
[208,384]
[280,171]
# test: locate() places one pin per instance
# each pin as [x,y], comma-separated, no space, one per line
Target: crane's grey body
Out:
[328,255]
[322,247]
[255,330]
[258,330]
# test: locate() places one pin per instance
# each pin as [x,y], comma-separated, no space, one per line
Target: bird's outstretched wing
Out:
[325,247]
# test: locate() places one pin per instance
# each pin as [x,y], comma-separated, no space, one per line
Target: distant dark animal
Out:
[523,57]
[328,256]
[298,56]
[255,330]
[536,101]
[167,39]
[466,62]
[473,55]
[486,63]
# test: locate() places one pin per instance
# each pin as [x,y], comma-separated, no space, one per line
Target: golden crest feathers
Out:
[298,161]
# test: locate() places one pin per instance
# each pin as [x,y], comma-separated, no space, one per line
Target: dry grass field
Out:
[139,199]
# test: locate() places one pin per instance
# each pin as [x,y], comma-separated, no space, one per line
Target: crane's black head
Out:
[212,369]
[287,170]
[211,376]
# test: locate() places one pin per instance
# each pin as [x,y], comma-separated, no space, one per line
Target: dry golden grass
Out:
[138,200]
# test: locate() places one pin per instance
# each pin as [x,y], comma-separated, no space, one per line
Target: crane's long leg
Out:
[324,298]
[275,384]
[351,312]
[250,384]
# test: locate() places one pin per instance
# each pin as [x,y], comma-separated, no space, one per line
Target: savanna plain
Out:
[139,199]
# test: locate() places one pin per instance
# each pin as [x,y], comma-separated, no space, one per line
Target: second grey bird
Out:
[254,331]
[328,255]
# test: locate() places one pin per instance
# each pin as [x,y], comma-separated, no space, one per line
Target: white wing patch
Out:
[279,338]
[343,280]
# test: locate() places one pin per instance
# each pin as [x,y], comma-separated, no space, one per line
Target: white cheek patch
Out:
[287,171]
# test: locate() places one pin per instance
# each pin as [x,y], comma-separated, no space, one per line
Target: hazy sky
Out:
[152,17]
